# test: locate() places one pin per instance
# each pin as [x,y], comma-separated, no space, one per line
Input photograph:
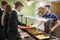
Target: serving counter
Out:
[37,34]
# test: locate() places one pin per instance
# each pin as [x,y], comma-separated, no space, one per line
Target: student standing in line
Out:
[5,20]
[13,29]
[3,4]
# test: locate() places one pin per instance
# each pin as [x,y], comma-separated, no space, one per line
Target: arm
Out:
[19,23]
[57,25]
[37,24]
[56,20]
[22,24]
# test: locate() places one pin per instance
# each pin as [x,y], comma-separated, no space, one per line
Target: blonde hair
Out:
[40,10]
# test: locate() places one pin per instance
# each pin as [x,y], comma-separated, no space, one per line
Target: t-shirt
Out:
[47,24]
[51,15]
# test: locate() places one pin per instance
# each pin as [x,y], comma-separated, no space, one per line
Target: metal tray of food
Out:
[42,36]
[38,33]
[34,31]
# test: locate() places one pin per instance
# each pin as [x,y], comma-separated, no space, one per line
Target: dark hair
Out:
[18,4]
[48,6]
[4,3]
[8,9]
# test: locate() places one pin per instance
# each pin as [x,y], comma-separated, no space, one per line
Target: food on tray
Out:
[42,36]
[36,32]
[24,27]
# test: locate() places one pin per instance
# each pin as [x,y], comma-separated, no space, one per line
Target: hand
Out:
[52,29]
[28,26]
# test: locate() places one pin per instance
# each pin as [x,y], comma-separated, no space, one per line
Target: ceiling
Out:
[44,0]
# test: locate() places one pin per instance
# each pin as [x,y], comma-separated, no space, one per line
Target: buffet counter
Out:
[37,34]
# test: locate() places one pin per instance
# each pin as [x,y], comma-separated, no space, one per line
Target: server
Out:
[48,14]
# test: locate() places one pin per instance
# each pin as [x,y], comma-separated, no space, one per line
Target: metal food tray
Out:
[42,36]
[34,31]
[38,33]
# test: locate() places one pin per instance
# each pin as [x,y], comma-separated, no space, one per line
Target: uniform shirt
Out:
[51,15]
[47,24]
